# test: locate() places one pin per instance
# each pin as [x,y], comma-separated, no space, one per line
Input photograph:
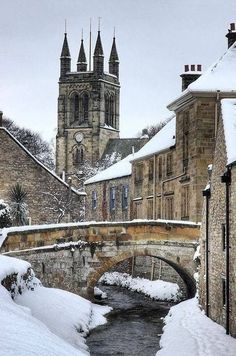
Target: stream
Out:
[133,326]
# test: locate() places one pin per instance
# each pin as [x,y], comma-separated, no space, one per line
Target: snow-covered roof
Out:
[40,163]
[120,169]
[228,108]
[221,76]
[163,140]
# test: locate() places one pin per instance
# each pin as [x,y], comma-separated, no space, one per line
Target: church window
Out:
[76,112]
[185,203]
[111,119]
[85,106]
[94,200]
[125,190]
[107,109]
[78,155]
[112,198]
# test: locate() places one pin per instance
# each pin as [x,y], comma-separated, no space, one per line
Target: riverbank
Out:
[189,332]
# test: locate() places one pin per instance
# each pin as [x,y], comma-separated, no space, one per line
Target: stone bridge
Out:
[74,256]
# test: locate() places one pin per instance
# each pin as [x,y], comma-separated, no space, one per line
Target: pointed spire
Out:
[114,55]
[98,51]
[98,57]
[82,62]
[65,48]
[114,60]
[65,57]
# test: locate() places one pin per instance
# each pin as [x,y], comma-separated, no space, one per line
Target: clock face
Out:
[79,137]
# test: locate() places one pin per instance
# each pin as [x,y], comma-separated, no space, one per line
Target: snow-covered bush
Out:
[5,216]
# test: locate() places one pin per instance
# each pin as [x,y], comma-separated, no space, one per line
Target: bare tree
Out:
[152,130]
[33,142]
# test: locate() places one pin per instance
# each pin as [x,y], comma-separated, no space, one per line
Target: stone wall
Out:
[217,259]
[46,193]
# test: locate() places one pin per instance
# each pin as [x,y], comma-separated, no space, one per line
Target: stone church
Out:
[89,113]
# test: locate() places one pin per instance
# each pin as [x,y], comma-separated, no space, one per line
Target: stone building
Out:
[218,243]
[49,199]
[88,109]
[108,193]
[168,176]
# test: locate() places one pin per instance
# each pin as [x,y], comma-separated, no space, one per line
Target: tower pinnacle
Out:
[65,57]
[82,62]
[114,60]
[98,56]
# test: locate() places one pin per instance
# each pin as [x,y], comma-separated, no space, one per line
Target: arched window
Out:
[84,108]
[78,155]
[107,109]
[111,119]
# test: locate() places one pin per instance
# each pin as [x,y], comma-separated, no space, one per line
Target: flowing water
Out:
[134,325]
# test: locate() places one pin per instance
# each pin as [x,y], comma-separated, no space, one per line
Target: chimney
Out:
[1,114]
[231,35]
[191,73]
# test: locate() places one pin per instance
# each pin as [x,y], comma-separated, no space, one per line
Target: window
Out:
[158,203]
[112,198]
[76,108]
[85,103]
[109,110]
[169,164]
[150,169]
[139,173]
[169,208]
[223,234]
[150,209]
[125,190]
[94,200]
[185,203]
[78,155]
[160,168]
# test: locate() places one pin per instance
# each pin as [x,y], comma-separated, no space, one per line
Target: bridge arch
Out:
[110,262]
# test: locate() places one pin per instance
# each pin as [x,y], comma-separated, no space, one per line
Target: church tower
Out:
[88,109]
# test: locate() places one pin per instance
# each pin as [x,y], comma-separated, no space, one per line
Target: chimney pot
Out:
[232,26]
[186,68]
[192,67]
[199,67]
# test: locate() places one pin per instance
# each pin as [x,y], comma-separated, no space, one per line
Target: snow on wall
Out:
[228,108]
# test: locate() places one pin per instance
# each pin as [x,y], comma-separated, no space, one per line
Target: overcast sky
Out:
[155,38]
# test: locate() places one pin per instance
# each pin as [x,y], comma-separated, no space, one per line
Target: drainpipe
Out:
[207,193]
[226,178]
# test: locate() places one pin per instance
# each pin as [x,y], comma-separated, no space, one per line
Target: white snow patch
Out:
[163,140]
[11,265]
[189,332]
[67,315]
[228,107]
[158,289]
[23,335]
[120,169]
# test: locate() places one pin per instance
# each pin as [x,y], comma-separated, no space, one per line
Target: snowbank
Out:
[67,315]
[23,335]
[189,332]
[43,321]
[158,289]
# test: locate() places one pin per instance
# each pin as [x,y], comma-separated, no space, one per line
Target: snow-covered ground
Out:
[189,332]
[43,321]
[157,289]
